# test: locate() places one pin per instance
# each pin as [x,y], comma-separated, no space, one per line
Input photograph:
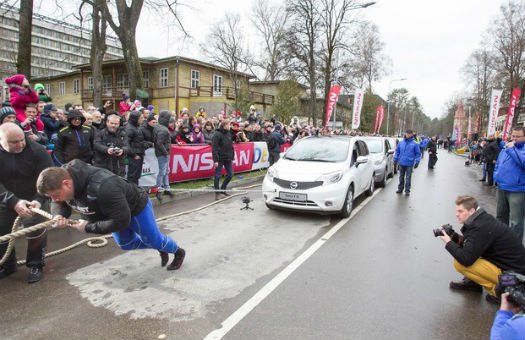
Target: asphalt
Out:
[383,275]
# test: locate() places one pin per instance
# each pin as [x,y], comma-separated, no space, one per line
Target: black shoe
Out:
[224,193]
[399,192]
[483,180]
[164,258]
[493,299]
[5,271]
[177,260]
[407,193]
[218,196]
[167,192]
[35,274]
[465,284]
[158,196]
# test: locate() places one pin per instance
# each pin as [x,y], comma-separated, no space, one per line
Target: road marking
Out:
[228,324]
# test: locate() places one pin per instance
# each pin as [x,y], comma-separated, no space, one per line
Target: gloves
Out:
[416,165]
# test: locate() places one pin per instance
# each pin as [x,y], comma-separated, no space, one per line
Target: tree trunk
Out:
[98,49]
[23,64]
[131,57]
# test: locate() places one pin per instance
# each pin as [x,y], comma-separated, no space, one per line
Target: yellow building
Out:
[172,84]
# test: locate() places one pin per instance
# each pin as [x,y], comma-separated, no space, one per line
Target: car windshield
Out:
[319,150]
[374,145]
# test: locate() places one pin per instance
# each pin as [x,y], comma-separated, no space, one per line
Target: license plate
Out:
[292,196]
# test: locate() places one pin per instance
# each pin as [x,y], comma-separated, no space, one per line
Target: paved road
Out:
[382,275]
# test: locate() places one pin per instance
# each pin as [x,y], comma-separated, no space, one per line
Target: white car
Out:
[321,175]
[382,157]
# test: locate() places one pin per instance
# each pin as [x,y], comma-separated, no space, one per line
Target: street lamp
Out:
[388,103]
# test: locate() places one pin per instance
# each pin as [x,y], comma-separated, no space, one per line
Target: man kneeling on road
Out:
[111,204]
[486,248]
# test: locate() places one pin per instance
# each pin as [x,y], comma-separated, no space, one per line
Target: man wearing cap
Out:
[7,114]
[51,123]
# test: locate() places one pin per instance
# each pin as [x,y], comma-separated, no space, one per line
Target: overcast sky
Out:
[427,41]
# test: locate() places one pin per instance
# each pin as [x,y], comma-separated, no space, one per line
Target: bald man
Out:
[21,161]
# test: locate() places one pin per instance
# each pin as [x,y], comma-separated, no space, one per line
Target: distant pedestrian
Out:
[490,153]
[432,152]
[407,156]
[223,155]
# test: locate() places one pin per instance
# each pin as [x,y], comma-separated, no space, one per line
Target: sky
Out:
[428,42]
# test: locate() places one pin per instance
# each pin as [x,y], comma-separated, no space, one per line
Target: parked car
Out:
[393,142]
[382,153]
[321,174]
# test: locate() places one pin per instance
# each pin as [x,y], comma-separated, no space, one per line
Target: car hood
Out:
[305,171]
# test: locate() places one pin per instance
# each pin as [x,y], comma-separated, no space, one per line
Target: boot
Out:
[167,192]
[35,274]
[224,193]
[465,284]
[177,260]
[164,258]
[158,195]
[218,196]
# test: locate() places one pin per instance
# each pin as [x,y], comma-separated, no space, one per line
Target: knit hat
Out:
[278,127]
[151,107]
[17,79]
[49,107]
[196,126]
[6,111]
[39,86]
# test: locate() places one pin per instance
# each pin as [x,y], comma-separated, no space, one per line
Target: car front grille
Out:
[295,203]
[300,185]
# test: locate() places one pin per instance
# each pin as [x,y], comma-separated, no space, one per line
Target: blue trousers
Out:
[511,210]
[405,171]
[143,233]
[228,165]
[163,175]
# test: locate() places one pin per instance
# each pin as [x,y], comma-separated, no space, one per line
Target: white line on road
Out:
[228,324]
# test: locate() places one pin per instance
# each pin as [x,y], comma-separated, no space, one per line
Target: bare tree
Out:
[23,64]
[270,22]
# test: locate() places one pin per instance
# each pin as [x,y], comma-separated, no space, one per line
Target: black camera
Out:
[514,284]
[447,228]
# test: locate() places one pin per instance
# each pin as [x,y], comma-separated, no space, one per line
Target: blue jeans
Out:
[163,175]
[143,233]
[405,183]
[228,165]
[511,210]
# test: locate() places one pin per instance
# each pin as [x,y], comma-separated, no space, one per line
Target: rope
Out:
[97,241]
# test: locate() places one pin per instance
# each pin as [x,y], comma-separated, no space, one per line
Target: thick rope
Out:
[92,242]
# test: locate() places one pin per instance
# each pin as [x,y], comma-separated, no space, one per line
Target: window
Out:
[90,83]
[107,82]
[237,84]
[145,76]
[62,88]
[76,86]
[363,149]
[195,79]
[122,81]
[163,77]
[217,84]
[48,89]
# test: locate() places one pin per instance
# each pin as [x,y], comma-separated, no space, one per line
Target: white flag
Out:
[358,105]
[493,111]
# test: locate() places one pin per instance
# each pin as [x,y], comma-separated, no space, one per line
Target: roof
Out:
[58,76]
[274,82]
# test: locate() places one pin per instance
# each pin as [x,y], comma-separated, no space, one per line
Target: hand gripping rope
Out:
[92,242]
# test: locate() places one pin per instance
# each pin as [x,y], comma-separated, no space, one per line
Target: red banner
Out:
[332,101]
[379,118]
[514,98]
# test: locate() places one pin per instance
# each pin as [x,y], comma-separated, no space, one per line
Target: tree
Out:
[270,23]
[287,100]
[23,64]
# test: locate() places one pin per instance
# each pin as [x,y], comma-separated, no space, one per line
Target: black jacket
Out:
[19,172]
[106,200]
[162,135]
[222,146]
[490,239]
[105,140]
[136,140]
[74,142]
[490,151]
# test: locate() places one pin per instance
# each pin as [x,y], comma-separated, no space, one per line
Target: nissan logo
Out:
[293,185]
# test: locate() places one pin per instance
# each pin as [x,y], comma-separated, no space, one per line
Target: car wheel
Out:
[370,190]
[349,203]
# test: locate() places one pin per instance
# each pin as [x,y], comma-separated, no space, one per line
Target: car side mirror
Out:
[391,151]
[361,160]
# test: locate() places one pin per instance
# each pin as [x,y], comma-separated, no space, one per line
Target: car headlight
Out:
[330,178]
[272,173]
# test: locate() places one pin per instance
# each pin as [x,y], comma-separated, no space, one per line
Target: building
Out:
[56,45]
[170,83]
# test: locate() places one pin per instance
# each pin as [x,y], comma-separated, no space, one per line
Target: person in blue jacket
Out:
[509,174]
[509,323]
[407,156]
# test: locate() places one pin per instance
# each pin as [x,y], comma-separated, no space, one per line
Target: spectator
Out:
[184,135]
[125,104]
[42,93]
[162,151]
[172,128]
[490,154]
[148,128]
[7,115]
[275,140]
[201,113]
[89,119]
[223,155]
[111,146]
[208,132]
[137,146]
[510,177]
[196,135]
[75,141]
[31,128]
[407,156]
[257,135]
[97,123]
[51,123]
[252,115]
[20,93]
[509,323]
[103,110]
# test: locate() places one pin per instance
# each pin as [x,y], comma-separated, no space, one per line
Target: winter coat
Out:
[51,125]
[162,135]
[105,140]
[490,151]
[222,146]
[74,142]
[510,169]
[407,152]
[107,201]
[136,140]
[208,135]
[19,98]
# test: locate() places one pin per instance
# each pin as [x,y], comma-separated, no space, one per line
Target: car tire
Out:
[370,190]
[348,205]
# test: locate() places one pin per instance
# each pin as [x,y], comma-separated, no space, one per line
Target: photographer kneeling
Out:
[486,248]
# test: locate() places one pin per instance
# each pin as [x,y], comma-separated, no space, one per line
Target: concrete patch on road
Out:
[227,251]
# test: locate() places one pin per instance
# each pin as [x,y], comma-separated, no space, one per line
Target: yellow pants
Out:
[482,272]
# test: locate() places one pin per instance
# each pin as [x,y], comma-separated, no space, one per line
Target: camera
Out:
[514,284]
[447,228]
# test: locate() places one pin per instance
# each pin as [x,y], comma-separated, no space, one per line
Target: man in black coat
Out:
[490,153]
[112,146]
[109,204]
[486,248]
[74,141]
[137,146]
[223,155]
[21,161]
